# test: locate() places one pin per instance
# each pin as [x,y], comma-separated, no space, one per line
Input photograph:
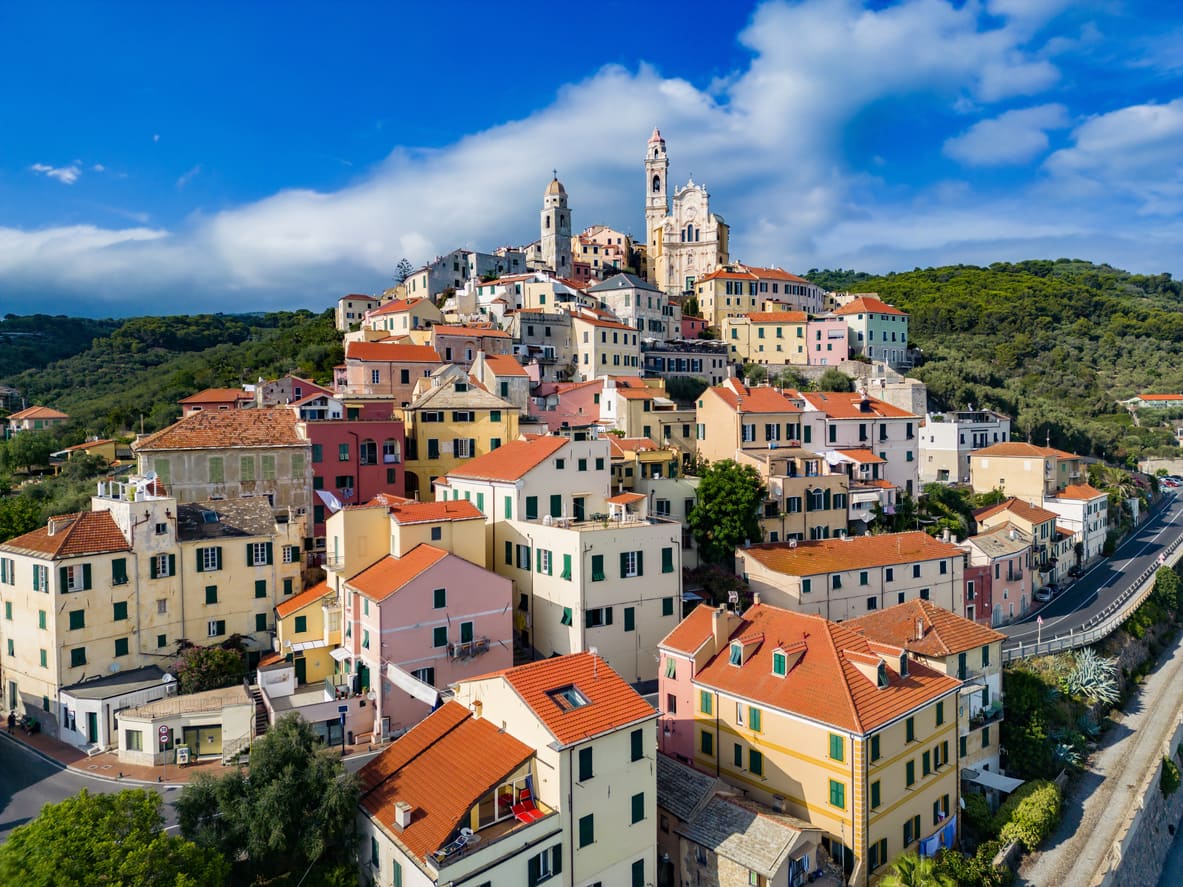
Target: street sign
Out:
[163,733]
[1039,620]
[343,709]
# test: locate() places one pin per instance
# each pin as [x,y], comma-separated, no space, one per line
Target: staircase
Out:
[261,722]
[232,752]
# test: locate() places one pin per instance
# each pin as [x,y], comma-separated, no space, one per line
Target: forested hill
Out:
[39,339]
[1055,344]
[141,367]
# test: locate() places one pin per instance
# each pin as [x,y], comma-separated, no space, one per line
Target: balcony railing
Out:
[468,649]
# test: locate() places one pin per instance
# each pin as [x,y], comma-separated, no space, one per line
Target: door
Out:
[577,506]
[363,677]
[12,695]
[204,740]
[301,669]
[92,726]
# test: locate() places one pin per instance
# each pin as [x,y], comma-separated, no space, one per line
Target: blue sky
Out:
[171,157]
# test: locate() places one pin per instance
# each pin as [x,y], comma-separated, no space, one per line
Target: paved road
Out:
[1094,591]
[28,783]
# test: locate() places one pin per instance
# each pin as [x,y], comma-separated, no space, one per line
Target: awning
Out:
[992,780]
[308,645]
[339,653]
[420,690]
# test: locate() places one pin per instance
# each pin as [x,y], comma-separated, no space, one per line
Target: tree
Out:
[727,511]
[690,307]
[913,870]
[835,380]
[791,378]
[29,449]
[403,270]
[754,373]
[18,515]
[208,668]
[685,389]
[296,814]
[106,839]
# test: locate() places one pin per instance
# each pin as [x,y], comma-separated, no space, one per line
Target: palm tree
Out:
[912,870]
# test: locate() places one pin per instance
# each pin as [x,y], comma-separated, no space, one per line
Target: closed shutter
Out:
[623,564]
[640,563]
[172,565]
[64,579]
[270,557]
[152,571]
[250,554]
[86,577]
[200,562]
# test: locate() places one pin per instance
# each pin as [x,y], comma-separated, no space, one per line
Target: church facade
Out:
[685,240]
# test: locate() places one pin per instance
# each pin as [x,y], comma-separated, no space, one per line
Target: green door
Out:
[363,677]
[301,669]
[92,726]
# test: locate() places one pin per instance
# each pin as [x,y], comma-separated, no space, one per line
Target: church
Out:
[685,241]
[552,252]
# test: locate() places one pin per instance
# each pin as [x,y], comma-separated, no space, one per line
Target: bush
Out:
[1029,815]
[1168,780]
[978,816]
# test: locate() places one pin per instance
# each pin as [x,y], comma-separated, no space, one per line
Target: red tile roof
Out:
[217,395]
[945,633]
[432,512]
[611,703]
[692,632]
[626,498]
[442,767]
[761,399]
[777,316]
[603,324]
[866,457]
[395,306]
[808,558]
[480,332]
[303,599]
[89,445]
[510,461]
[391,352]
[382,579]
[825,684]
[1160,397]
[848,405]
[1025,510]
[504,365]
[621,445]
[1079,491]
[219,429]
[637,393]
[1025,450]
[868,305]
[75,535]
[36,413]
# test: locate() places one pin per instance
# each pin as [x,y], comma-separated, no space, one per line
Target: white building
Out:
[947,439]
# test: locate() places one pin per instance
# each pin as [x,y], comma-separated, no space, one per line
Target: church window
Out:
[547,221]
[656,179]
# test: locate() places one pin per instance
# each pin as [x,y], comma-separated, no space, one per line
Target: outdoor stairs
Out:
[235,750]
[261,722]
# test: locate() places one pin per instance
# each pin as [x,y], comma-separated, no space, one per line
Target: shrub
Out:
[977,814]
[1029,815]
[1168,780]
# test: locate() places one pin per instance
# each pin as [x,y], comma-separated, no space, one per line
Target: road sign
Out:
[343,709]
[163,733]
[1039,620]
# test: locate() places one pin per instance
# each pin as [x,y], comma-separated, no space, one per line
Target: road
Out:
[1097,588]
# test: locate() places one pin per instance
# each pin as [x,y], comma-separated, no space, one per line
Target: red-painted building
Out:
[692,327]
[355,460]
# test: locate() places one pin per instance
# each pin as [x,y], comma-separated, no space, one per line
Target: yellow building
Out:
[604,346]
[1024,470]
[853,736]
[734,290]
[118,588]
[450,420]
[733,418]
[806,499]
[1037,524]
[775,338]
[307,628]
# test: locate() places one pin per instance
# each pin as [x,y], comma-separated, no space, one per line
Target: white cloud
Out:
[1012,137]
[67,175]
[188,176]
[98,167]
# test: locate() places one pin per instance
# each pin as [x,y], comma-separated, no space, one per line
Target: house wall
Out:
[768,343]
[892,439]
[237,723]
[319,617]
[1029,479]
[395,381]
[465,538]
[605,350]
[489,429]
[382,476]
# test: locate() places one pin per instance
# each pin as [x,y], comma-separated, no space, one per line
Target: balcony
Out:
[468,649]
[980,719]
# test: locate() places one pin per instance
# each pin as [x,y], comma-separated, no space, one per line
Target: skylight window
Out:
[209,517]
[568,698]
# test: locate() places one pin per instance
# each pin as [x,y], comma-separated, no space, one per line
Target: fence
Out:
[1102,624]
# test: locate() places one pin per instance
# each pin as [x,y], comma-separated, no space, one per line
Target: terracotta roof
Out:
[808,558]
[216,395]
[75,535]
[637,393]
[825,684]
[866,457]
[997,541]
[880,484]
[1018,448]
[604,324]
[1160,397]
[945,633]
[626,498]
[433,512]
[89,445]
[777,316]
[1079,491]
[391,352]
[479,332]
[303,599]
[847,405]
[37,413]
[868,305]
[727,274]
[761,399]
[510,461]
[219,429]
[1017,507]
[691,633]
[611,703]
[504,365]
[442,767]
[382,579]
[630,444]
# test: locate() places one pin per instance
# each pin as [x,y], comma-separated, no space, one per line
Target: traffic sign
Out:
[1039,620]
[343,709]
[164,733]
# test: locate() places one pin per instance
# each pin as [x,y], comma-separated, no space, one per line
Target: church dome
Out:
[656,137]
[555,187]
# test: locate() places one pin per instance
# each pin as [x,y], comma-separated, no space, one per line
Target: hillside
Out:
[39,339]
[1053,343]
[140,368]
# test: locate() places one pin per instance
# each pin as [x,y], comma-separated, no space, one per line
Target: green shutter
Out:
[556,505]
[623,564]
[550,563]
[538,560]
[566,567]
[260,588]
[597,568]
[640,563]
[250,554]
[667,560]
[86,577]
[556,859]
[172,565]
[270,555]
[508,507]
[152,568]
[630,619]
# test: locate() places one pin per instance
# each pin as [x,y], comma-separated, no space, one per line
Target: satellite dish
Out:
[733,597]
[167,678]
[792,543]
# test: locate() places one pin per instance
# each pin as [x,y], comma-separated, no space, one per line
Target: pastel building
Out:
[604,347]
[638,304]
[354,460]
[35,418]
[877,330]
[735,418]
[385,372]
[998,574]
[947,439]
[400,317]
[1025,470]
[735,289]
[853,736]
[215,399]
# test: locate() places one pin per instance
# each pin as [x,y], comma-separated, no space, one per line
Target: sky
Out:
[217,156]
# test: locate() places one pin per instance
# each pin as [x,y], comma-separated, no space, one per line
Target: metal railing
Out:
[1104,623]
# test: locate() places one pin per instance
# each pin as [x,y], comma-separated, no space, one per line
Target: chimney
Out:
[755,598]
[402,814]
[919,628]
[719,627]
[478,709]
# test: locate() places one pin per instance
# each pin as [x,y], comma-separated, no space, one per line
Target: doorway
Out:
[92,726]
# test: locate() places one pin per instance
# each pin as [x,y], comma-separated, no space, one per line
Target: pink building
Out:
[354,459]
[978,595]
[675,677]
[460,344]
[421,621]
[828,341]
[692,327]
[385,371]
[999,566]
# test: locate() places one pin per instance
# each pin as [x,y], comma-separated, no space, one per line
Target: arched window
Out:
[391,452]
[369,452]
[656,181]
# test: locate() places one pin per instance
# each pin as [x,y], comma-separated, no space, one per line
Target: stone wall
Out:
[1137,857]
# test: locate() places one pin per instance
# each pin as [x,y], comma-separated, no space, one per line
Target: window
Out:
[806,586]
[779,663]
[216,627]
[910,729]
[705,702]
[544,866]
[119,610]
[909,774]
[258,554]
[543,561]
[707,742]
[889,574]
[587,829]
[40,578]
[426,675]
[756,762]
[940,712]
[343,452]
[75,578]
[318,453]
[161,640]
[260,622]
[915,571]
[41,619]
[439,636]
[667,606]
[597,617]
[209,559]
[566,574]
[877,854]
[597,565]
[531,508]
[837,580]
[837,748]
[875,795]
[986,737]
[211,594]
[301,624]
[755,719]
[637,743]
[986,656]
[77,620]
[121,646]
[875,747]
[631,564]
[837,794]
[925,764]
[439,598]
[630,619]
[638,807]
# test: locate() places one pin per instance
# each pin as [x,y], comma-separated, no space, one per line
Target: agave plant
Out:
[1067,755]
[1094,678]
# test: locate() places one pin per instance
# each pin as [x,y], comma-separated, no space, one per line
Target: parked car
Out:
[1044,593]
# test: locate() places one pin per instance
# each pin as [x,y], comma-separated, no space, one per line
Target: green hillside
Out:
[37,340]
[140,368]
[1055,344]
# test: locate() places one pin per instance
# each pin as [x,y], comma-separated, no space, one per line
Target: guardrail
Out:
[1104,623]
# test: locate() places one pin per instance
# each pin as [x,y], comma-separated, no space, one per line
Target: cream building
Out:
[117,588]
[604,346]
[686,239]
[844,578]
[736,289]
[734,418]
[947,440]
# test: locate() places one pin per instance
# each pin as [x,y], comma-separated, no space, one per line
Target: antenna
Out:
[595,654]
